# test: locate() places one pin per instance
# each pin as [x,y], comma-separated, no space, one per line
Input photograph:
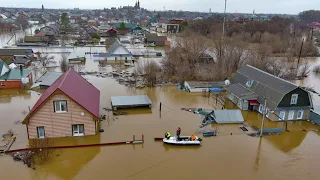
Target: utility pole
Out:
[224,18]
[300,53]
[263,114]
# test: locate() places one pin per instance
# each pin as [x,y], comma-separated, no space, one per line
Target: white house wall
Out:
[120,50]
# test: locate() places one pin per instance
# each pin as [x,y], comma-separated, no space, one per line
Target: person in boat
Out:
[193,138]
[178,133]
[167,135]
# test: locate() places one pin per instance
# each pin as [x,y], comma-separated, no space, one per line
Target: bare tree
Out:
[45,59]
[78,67]
[64,64]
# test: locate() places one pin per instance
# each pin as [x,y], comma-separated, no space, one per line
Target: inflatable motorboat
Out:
[183,140]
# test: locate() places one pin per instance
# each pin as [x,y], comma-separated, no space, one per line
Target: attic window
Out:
[60,106]
[249,83]
[294,99]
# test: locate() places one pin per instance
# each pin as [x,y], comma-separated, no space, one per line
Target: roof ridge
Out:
[272,75]
[63,79]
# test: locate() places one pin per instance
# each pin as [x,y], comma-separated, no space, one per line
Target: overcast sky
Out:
[242,6]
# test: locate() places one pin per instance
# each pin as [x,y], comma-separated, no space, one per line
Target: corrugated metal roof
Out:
[130,100]
[48,78]
[77,88]
[205,84]
[15,74]
[228,116]
[241,91]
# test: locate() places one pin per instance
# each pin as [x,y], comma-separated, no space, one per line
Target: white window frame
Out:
[38,132]
[3,84]
[76,130]
[301,116]
[282,115]
[267,112]
[294,99]
[290,115]
[60,106]
[260,108]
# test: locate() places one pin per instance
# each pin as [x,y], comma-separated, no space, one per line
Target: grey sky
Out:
[260,6]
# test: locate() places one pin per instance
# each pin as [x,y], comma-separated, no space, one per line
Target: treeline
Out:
[310,16]
[282,35]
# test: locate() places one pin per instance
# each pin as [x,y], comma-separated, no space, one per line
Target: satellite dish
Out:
[82,113]
[25,80]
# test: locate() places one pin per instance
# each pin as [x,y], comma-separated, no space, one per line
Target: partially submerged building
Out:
[251,87]
[14,78]
[130,101]
[46,80]
[203,86]
[156,40]
[8,54]
[117,53]
[69,107]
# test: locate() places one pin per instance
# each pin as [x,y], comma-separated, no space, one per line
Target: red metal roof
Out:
[41,33]
[77,88]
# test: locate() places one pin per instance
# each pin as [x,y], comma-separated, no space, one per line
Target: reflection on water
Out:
[67,163]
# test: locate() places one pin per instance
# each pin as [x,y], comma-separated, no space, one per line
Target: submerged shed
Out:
[228,116]
[130,101]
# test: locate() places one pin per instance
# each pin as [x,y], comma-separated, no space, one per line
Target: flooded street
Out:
[292,155]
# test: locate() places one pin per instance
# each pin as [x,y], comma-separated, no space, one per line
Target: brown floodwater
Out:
[292,155]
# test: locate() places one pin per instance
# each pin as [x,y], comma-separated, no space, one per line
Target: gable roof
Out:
[75,87]
[115,46]
[264,84]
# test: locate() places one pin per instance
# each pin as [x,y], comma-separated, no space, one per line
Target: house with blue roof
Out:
[14,78]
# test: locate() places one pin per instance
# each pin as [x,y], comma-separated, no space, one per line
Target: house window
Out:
[300,114]
[78,129]
[261,108]
[267,112]
[3,84]
[41,133]
[282,115]
[291,115]
[60,106]
[294,99]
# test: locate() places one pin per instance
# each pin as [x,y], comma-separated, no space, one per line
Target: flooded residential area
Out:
[131,94]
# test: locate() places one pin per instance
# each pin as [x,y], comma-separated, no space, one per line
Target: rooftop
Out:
[48,78]
[141,100]
[241,91]
[228,116]
[205,84]
[15,74]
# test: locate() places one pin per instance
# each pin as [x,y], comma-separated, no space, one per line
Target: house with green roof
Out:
[124,28]
[14,78]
